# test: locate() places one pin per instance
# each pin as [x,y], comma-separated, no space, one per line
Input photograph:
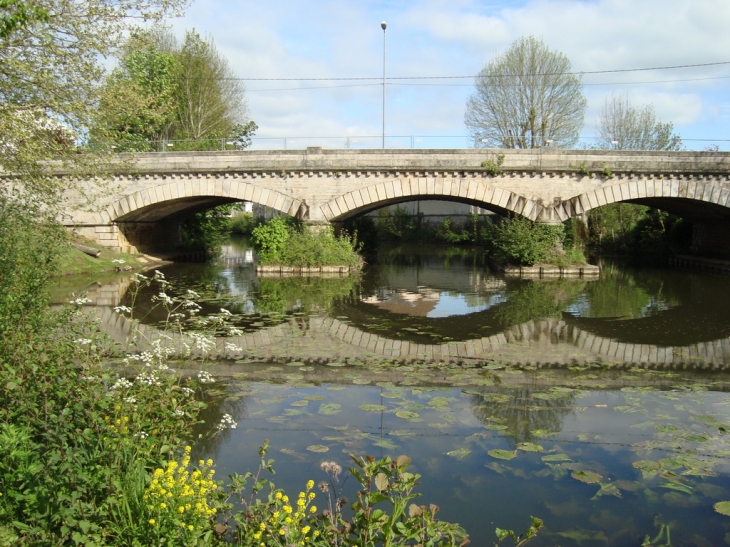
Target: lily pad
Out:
[556,458]
[589,477]
[459,454]
[530,447]
[607,490]
[329,408]
[407,414]
[503,454]
[372,408]
[723,507]
[318,448]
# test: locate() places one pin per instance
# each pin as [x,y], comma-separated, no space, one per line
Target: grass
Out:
[74,262]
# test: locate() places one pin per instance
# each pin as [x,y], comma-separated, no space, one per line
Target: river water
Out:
[600,406]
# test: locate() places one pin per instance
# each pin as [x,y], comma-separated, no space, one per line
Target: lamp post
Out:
[383,26]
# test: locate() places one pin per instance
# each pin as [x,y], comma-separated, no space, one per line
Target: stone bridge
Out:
[148,194]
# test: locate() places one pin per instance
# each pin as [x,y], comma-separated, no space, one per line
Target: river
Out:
[598,405]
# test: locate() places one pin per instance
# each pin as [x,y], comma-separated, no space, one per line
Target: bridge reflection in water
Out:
[684,324]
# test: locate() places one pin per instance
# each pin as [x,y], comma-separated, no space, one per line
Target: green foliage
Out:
[518,240]
[207,229]
[523,538]
[15,14]
[165,93]
[582,168]
[637,229]
[494,168]
[381,515]
[280,243]
[244,223]
[447,232]
[271,237]
[606,171]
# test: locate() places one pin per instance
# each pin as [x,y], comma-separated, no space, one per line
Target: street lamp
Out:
[383,26]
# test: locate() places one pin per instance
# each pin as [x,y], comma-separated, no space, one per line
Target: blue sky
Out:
[343,39]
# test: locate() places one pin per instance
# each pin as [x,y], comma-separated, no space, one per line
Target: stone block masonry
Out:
[149,193]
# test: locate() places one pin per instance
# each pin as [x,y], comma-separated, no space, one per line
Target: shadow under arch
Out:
[470,191]
[149,219]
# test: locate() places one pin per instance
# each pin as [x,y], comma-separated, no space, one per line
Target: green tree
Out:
[525,98]
[164,90]
[626,127]
[138,102]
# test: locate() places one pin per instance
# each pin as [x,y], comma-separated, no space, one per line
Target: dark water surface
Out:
[600,406]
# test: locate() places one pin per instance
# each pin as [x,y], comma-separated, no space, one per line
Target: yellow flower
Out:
[257,535]
[287,509]
[188,449]
[305,530]
[313,509]
[285,499]
[163,505]
[151,521]
[310,484]
[181,509]
[282,531]
[191,527]
[311,495]
[316,533]
[209,463]
[278,495]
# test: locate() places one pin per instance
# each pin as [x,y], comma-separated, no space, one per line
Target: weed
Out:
[494,168]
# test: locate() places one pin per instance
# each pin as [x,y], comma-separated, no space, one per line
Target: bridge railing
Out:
[353,142]
[291,143]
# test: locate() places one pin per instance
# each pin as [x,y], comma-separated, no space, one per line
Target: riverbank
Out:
[73,261]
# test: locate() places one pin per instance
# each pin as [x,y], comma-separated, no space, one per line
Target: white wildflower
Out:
[83,341]
[225,312]
[130,400]
[232,347]
[123,309]
[233,331]
[178,412]
[80,301]
[187,390]
[205,377]
[141,435]
[118,261]
[227,422]
[122,383]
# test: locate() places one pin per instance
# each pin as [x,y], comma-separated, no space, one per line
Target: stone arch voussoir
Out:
[470,190]
[706,191]
[233,189]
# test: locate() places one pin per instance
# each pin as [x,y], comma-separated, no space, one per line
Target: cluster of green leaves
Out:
[244,223]
[71,446]
[207,229]
[637,229]
[518,240]
[168,94]
[381,515]
[279,242]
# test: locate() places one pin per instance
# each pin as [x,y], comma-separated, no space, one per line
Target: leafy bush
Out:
[279,244]
[271,237]
[518,240]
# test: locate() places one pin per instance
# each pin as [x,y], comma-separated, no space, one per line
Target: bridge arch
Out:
[473,191]
[175,198]
[695,198]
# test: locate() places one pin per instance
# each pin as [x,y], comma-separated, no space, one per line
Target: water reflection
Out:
[449,307]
